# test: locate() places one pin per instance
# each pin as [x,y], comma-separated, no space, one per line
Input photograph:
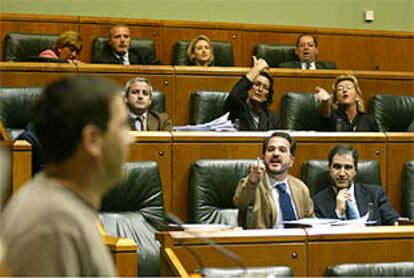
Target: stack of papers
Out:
[220,124]
[313,222]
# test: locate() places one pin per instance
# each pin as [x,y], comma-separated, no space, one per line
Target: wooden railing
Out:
[178,82]
[349,48]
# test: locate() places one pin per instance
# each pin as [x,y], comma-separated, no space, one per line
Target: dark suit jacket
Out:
[135,57]
[156,121]
[384,213]
[238,108]
[298,65]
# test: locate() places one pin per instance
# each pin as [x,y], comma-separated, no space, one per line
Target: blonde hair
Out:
[69,39]
[353,79]
[191,48]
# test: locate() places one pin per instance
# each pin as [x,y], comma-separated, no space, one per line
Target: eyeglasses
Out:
[347,86]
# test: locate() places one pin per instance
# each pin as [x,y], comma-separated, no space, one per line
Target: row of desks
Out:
[179,82]
[307,251]
[176,151]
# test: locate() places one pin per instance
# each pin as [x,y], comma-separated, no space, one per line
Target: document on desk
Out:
[309,222]
[313,222]
[220,124]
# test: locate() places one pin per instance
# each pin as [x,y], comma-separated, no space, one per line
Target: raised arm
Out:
[326,103]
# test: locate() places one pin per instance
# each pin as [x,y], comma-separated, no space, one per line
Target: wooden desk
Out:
[254,247]
[400,148]
[156,146]
[341,245]
[308,252]
[124,254]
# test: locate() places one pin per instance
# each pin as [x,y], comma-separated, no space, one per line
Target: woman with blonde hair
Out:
[345,110]
[67,47]
[200,52]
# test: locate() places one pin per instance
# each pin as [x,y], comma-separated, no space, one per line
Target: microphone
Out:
[221,249]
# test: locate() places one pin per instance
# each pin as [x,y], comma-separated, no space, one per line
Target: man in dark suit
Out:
[138,97]
[347,199]
[307,52]
[118,50]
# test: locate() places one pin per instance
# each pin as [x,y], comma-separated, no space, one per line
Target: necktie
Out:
[285,203]
[308,66]
[351,212]
[142,122]
[124,60]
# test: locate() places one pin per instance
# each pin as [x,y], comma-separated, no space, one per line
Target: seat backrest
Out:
[140,193]
[158,101]
[300,111]
[206,106]
[274,54]
[393,113]
[395,269]
[139,45]
[408,190]
[26,46]
[315,174]
[17,108]
[212,186]
[135,209]
[223,53]
[263,271]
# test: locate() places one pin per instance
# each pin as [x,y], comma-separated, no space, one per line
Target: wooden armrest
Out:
[174,263]
[124,253]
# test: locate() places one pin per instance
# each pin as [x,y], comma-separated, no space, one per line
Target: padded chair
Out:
[396,269]
[139,45]
[300,111]
[273,271]
[212,186]
[223,53]
[27,46]
[315,174]
[135,210]
[393,113]
[17,108]
[158,101]
[408,190]
[274,54]
[206,106]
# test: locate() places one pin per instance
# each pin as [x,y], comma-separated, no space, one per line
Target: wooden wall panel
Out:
[158,150]
[400,148]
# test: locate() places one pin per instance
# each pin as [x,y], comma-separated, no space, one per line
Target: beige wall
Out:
[394,15]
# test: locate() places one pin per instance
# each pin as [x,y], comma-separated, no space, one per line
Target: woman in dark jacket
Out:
[345,111]
[249,99]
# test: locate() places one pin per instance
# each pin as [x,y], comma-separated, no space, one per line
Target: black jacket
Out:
[135,57]
[238,108]
[384,213]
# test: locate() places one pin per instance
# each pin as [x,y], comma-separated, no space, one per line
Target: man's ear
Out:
[292,161]
[92,140]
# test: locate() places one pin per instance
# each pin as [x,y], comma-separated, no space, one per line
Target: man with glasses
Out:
[249,99]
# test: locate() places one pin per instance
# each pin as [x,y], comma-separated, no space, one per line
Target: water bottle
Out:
[371,217]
